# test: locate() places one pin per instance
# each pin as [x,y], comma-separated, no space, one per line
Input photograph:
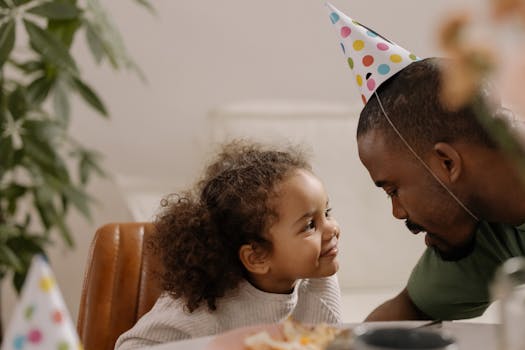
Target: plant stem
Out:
[1,325]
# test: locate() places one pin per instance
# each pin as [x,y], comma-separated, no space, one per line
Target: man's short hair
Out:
[411,98]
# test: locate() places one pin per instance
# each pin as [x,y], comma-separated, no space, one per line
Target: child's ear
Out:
[255,259]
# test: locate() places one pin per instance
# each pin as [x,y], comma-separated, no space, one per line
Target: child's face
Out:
[305,237]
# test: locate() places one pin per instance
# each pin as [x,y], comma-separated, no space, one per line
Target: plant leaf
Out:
[43,155]
[45,131]
[13,191]
[7,232]
[64,29]
[7,40]
[147,5]
[50,47]
[44,206]
[8,257]
[84,169]
[50,217]
[29,66]
[38,90]
[95,44]
[56,10]
[61,102]
[88,163]
[110,38]
[7,153]
[90,96]
[63,229]
[39,154]
[26,246]
[17,103]
[79,199]
[72,194]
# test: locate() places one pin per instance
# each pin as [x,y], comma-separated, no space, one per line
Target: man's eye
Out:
[391,193]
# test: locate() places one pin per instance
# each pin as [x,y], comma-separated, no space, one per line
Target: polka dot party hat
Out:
[372,58]
[40,319]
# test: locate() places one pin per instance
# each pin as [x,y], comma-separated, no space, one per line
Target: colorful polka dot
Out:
[358,45]
[371,33]
[63,346]
[371,84]
[343,47]
[34,336]
[57,316]
[363,98]
[19,342]
[382,46]
[334,17]
[412,57]
[28,312]
[46,283]
[383,69]
[359,80]
[345,31]
[351,62]
[395,58]
[368,60]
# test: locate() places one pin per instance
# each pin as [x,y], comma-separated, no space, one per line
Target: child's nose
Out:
[330,231]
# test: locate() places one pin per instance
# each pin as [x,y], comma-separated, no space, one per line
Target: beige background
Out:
[200,56]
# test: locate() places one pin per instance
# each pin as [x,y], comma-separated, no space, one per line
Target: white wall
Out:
[198,55]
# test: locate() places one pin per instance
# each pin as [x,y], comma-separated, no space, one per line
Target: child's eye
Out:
[310,226]
[327,212]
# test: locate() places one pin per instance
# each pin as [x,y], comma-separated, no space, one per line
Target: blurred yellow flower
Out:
[503,9]
[471,62]
[450,34]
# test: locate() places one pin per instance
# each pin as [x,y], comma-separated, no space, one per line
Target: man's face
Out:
[416,196]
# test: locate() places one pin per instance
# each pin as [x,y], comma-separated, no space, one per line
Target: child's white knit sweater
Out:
[312,301]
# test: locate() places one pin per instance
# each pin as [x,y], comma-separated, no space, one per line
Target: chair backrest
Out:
[121,283]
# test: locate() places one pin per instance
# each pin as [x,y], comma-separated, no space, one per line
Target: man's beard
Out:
[457,253]
[451,254]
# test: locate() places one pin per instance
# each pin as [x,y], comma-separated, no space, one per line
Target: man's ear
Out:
[450,162]
[255,259]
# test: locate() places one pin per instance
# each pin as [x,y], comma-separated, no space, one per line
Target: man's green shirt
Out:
[449,290]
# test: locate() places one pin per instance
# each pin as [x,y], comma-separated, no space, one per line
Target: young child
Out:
[253,243]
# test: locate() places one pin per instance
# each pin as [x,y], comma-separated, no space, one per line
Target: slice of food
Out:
[297,336]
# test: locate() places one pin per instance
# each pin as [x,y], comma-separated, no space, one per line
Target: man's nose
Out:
[398,211]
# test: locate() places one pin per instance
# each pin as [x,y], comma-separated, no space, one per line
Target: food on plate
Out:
[295,336]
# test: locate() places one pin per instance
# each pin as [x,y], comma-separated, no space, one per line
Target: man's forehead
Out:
[382,158]
[372,143]
[380,143]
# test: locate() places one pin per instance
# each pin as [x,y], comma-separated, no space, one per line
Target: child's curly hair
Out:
[199,232]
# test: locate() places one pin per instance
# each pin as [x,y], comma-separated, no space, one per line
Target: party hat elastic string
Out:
[421,160]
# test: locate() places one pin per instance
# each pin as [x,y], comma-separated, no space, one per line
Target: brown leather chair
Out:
[121,283]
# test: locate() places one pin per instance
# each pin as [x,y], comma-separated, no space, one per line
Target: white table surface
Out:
[470,336]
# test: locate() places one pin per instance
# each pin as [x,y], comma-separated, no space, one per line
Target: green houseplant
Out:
[43,170]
